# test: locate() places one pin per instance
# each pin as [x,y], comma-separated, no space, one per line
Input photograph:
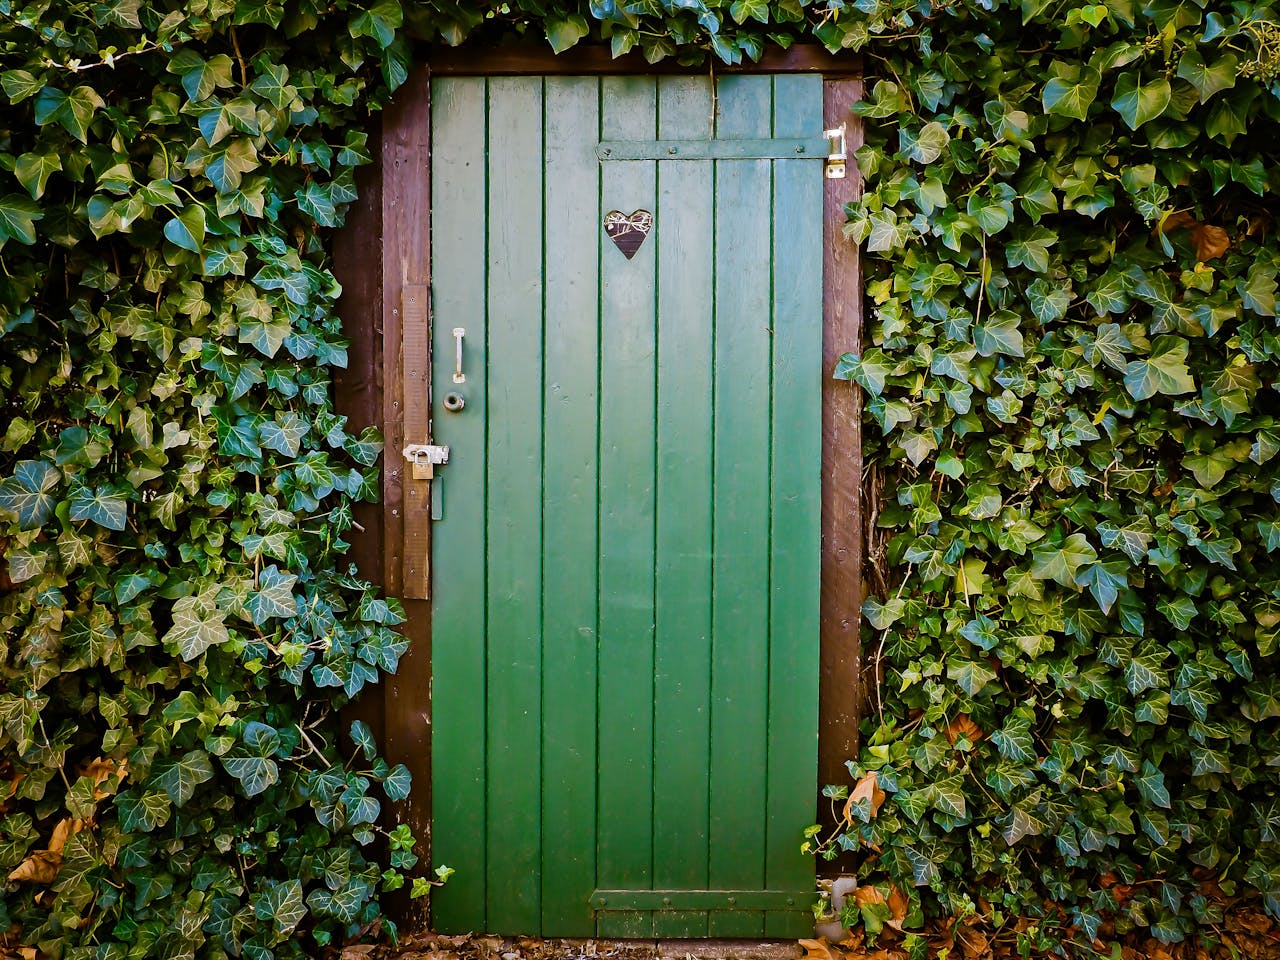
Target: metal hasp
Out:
[425,457]
[838,156]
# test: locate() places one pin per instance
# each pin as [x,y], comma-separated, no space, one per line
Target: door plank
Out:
[626,515]
[458,607]
[513,356]
[569,505]
[682,671]
[740,603]
[796,513]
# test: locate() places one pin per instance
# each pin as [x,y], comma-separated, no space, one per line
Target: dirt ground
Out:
[1245,934]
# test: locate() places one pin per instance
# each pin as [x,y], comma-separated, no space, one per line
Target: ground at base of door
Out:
[1245,933]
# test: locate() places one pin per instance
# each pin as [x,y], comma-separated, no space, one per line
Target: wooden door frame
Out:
[383,282]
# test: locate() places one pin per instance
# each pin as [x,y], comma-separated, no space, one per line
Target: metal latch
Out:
[837,158]
[425,457]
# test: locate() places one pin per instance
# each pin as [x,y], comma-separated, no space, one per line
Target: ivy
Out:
[1069,372]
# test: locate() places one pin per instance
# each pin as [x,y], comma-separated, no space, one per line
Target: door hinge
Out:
[837,158]
[425,457]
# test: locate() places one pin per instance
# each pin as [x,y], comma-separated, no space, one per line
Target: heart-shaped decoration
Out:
[628,232]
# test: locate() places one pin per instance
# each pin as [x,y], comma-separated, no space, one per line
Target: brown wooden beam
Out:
[839,689]
[406,237]
[357,263]
[593,59]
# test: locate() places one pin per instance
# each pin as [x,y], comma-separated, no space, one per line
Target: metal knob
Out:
[453,402]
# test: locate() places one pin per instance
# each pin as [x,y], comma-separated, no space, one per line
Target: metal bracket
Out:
[838,157]
[425,457]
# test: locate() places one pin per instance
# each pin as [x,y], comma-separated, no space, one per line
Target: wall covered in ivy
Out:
[1070,380]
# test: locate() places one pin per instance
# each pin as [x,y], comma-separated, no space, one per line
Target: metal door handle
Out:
[458,375]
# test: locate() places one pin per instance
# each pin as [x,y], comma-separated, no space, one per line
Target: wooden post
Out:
[406,239]
[840,694]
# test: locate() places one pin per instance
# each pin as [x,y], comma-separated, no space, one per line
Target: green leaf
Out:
[27,495]
[1139,103]
[34,169]
[398,783]
[255,774]
[282,904]
[999,334]
[200,77]
[883,615]
[1208,80]
[1071,97]
[1151,785]
[18,216]
[144,812]
[1049,302]
[971,675]
[273,596]
[187,229]
[363,738]
[108,507]
[870,371]
[1060,563]
[197,625]
[1164,371]
[179,778]
[563,33]
[284,434]
[20,84]
[1021,821]
[926,144]
[74,110]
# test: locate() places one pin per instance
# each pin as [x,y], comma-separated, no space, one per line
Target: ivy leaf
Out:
[870,371]
[1208,80]
[1049,302]
[1061,563]
[18,216]
[1164,371]
[563,33]
[74,110]
[970,675]
[143,812]
[34,169]
[1021,821]
[1150,784]
[282,904]
[398,783]
[1071,96]
[1138,102]
[255,774]
[925,145]
[273,596]
[197,625]
[20,84]
[27,495]
[187,229]
[106,506]
[179,778]
[999,334]
[284,434]
[362,737]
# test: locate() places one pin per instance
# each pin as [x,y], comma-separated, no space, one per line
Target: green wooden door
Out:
[625,558]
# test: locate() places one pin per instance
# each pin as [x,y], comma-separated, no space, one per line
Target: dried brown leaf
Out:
[962,726]
[1210,241]
[41,867]
[819,950]
[868,788]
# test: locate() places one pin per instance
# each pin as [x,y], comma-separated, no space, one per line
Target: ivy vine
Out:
[1070,380]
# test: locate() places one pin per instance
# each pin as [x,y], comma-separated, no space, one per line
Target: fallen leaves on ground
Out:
[1246,932]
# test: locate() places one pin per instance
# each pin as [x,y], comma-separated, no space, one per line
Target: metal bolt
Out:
[671,150]
[666,901]
[601,901]
[791,901]
[800,148]
[732,901]
[608,152]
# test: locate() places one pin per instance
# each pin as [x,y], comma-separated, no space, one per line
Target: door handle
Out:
[458,375]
